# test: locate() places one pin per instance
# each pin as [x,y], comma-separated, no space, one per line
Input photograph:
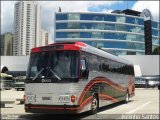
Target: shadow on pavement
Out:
[113,105]
[53,116]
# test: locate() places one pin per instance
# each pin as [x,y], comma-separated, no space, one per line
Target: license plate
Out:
[64,98]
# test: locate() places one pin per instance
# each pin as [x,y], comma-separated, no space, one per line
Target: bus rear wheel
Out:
[159,86]
[94,104]
[126,97]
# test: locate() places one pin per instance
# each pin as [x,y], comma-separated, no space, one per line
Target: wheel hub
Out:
[94,104]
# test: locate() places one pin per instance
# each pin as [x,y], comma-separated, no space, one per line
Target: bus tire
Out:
[94,104]
[126,97]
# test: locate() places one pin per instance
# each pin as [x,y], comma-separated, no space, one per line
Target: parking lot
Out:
[145,104]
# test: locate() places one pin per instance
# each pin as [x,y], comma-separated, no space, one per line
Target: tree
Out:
[156,51]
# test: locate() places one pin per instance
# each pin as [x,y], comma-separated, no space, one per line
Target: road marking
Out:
[132,111]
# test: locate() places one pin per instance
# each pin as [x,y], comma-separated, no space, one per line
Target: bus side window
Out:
[84,63]
[84,69]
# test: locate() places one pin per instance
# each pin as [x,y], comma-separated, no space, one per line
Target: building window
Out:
[130,20]
[120,36]
[92,17]
[155,41]
[110,18]
[99,26]
[98,17]
[110,27]
[73,16]
[61,26]
[136,46]
[73,35]
[120,27]
[120,19]
[139,21]
[86,16]
[109,36]
[61,35]
[86,25]
[130,28]
[99,35]
[135,29]
[72,25]
[154,32]
[61,16]
[133,37]
[154,24]
[115,45]
[85,34]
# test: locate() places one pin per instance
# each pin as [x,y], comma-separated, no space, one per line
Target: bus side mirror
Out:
[83,70]
[83,65]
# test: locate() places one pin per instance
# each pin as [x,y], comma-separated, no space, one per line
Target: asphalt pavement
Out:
[144,105]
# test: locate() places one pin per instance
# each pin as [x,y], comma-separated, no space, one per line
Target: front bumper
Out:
[52,109]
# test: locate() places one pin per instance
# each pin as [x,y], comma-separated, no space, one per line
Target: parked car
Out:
[153,83]
[139,82]
[19,83]
[6,81]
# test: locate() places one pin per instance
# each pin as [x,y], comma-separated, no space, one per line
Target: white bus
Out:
[74,78]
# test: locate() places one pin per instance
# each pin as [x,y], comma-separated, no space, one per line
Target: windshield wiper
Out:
[55,74]
[38,74]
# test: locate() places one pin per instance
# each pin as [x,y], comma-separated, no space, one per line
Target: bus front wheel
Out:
[94,104]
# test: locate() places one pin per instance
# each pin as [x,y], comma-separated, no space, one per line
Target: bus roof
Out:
[105,54]
[81,46]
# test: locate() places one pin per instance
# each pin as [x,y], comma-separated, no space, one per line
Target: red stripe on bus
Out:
[71,47]
[81,107]
[91,83]
[107,97]
[85,103]
[51,108]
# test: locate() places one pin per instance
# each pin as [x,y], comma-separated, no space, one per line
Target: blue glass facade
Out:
[155,35]
[101,26]
[100,17]
[121,34]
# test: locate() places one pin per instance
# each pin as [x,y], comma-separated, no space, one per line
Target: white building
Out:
[27,27]
[45,37]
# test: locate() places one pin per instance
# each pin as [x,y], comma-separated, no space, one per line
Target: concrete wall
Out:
[149,64]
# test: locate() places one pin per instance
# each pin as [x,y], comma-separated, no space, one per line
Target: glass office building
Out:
[155,34]
[118,33]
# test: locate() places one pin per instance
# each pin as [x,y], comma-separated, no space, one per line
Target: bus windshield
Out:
[54,66]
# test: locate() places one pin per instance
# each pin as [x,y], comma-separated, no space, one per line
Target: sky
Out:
[50,7]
